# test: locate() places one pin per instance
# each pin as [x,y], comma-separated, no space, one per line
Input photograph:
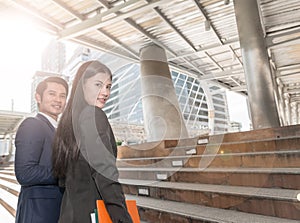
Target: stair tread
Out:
[12,177]
[205,213]
[10,185]
[213,155]
[5,215]
[283,194]
[213,169]
[9,198]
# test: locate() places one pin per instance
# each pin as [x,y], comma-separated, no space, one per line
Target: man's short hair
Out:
[41,87]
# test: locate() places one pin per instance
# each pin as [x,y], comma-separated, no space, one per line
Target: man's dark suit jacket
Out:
[40,197]
[94,175]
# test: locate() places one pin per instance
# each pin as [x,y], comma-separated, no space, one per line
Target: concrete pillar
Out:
[281,104]
[260,84]
[297,113]
[288,110]
[294,113]
[162,114]
[210,107]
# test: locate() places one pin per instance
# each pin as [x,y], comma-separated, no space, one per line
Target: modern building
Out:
[52,64]
[54,57]
[235,127]
[203,104]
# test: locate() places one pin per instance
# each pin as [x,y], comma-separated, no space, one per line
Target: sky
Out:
[238,110]
[22,44]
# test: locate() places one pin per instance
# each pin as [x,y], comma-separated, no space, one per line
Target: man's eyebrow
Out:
[53,91]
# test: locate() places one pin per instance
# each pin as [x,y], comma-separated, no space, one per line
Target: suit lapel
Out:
[44,119]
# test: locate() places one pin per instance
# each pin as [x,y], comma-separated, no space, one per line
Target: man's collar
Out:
[50,119]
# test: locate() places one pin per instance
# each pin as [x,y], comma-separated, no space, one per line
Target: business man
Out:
[40,197]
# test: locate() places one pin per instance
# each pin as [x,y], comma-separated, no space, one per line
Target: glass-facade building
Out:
[203,104]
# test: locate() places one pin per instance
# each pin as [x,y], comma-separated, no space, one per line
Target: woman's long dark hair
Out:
[65,145]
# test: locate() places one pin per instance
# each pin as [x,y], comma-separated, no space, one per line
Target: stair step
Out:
[288,178]
[282,194]
[209,154]
[10,168]
[9,178]
[254,140]
[7,172]
[9,192]
[187,211]
[9,201]
[266,159]
[220,196]
[289,143]
[258,134]
[295,171]
[6,216]
[11,187]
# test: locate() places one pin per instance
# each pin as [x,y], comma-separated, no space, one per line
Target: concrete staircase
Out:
[9,192]
[249,176]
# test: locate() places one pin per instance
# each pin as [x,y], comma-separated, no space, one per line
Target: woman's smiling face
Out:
[97,88]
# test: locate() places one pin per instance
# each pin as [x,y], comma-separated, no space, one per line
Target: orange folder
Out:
[103,216]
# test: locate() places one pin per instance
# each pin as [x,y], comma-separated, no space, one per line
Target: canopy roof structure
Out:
[200,36]
[10,121]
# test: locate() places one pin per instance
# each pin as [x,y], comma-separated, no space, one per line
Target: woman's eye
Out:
[98,85]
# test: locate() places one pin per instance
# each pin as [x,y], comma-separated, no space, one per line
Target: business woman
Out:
[85,150]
